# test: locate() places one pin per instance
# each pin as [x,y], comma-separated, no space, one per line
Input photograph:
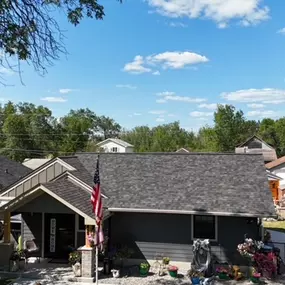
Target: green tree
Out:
[30,32]
[207,140]
[229,127]
[280,132]
[107,127]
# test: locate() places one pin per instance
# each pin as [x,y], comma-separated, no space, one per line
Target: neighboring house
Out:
[154,203]
[34,163]
[274,185]
[255,145]
[115,145]
[278,167]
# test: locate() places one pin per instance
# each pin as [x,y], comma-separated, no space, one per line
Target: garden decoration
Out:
[223,273]
[259,256]
[165,260]
[237,273]
[195,275]
[173,270]
[144,268]
[201,249]
[75,261]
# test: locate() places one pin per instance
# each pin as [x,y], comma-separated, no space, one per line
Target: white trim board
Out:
[181,212]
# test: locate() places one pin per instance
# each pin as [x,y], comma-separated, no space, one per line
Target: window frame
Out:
[216,228]
[114,148]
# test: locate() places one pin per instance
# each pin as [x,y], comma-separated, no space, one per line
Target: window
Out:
[204,227]
[114,149]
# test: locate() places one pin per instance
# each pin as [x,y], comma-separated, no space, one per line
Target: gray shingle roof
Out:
[226,183]
[73,194]
[11,171]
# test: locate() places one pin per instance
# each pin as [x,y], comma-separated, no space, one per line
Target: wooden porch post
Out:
[7,227]
[87,230]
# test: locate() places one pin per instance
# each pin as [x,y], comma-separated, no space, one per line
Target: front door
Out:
[59,235]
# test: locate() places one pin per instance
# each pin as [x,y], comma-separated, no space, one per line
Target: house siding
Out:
[32,229]
[45,175]
[45,203]
[170,235]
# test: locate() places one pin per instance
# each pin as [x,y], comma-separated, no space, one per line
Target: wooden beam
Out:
[87,231]
[7,227]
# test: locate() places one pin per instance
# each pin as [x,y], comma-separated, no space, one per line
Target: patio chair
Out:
[31,250]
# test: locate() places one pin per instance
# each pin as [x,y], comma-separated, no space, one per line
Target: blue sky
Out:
[155,61]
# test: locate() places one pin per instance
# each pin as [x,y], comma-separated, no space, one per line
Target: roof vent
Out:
[6,170]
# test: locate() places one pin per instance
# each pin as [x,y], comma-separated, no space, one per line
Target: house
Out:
[277,167]
[115,145]
[154,203]
[258,146]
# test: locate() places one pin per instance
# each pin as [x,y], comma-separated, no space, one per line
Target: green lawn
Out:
[278,225]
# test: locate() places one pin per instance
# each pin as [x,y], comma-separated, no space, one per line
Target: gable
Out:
[40,175]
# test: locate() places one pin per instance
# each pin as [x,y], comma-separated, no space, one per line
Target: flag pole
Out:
[96,256]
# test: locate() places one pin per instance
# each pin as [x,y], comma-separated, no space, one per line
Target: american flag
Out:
[97,205]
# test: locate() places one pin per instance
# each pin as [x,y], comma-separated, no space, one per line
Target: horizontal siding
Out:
[43,176]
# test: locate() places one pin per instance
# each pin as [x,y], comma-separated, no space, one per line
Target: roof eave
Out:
[185,212]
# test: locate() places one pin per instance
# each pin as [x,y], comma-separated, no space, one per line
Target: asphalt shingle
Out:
[206,182]
[11,171]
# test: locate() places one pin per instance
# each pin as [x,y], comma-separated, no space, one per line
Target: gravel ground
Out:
[168,280]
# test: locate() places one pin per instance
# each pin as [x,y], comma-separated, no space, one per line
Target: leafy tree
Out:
[29,32]
[229,127]
[107,127]
[206,140]
[280,132]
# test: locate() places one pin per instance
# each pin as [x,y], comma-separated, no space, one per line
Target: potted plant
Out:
[22,258]
[223,273]
[165,260]
[173,271]
[75,261]
[14,261]
[144,268]
[255,277]
[195,276]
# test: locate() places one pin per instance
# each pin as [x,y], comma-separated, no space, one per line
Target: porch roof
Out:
[65,191]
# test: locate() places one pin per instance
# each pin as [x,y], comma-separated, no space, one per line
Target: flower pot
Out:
[76,269]
[173,273]
[254,279]
[223,276]
[144,272]
[195,280]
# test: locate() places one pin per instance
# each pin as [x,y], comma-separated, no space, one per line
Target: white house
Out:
[258,146]
[278,168]
[115,145]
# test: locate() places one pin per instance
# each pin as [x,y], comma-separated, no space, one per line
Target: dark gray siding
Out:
[45,203]
[170,235]
[32,229]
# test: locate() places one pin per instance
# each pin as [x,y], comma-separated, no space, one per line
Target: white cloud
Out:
[136,66]
[208,106]
[160,120]
[166,60]
[137,114]
[6,71]
[165,93]
[156,72]
[128,86]
[171,115]
[264,96]
[54,99]
[281,31]
[184,99]
[246,12]
[255,106]
[157,112]
[198,114]
[177,25]
[160,101]
[261,113]
[176,59]
[66,90]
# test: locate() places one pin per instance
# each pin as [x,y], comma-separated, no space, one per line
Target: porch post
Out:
[87,230]
[7,227]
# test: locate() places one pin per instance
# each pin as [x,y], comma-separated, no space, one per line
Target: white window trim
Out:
[192,228]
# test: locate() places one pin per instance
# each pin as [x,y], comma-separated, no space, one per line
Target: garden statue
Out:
[202,256]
